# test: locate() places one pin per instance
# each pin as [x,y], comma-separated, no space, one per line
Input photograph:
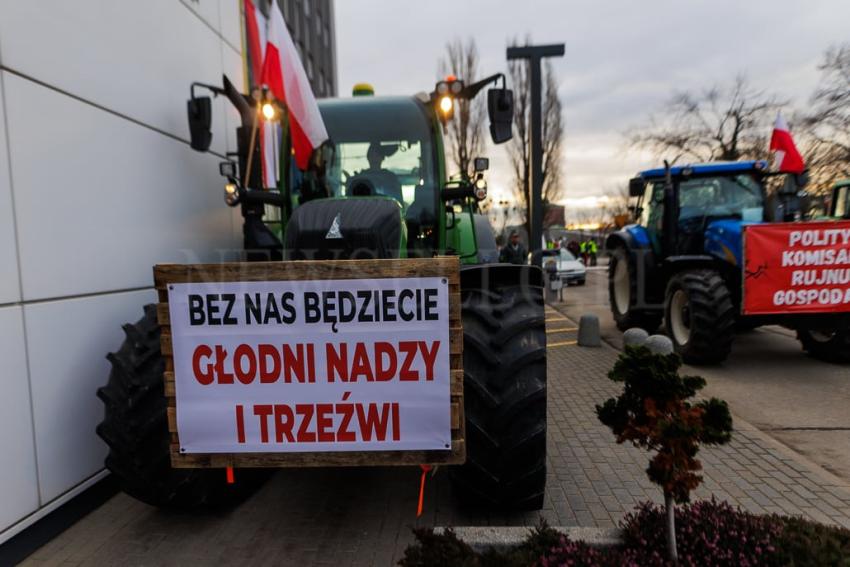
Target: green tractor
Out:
[379,190]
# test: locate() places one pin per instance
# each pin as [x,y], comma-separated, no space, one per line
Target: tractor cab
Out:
[699,209]
[386,147]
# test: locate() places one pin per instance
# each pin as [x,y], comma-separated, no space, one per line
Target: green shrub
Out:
[710,534]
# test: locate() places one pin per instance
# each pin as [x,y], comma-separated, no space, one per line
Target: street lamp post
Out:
[534,53]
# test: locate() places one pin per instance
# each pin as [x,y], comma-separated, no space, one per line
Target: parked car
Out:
[570,268]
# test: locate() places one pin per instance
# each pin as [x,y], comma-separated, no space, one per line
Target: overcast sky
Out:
[624,59]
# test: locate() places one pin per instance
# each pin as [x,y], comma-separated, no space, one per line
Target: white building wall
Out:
[97,184]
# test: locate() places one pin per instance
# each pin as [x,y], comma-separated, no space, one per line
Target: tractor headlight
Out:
[446,105]
[268,111]
[231,194]
[480,189]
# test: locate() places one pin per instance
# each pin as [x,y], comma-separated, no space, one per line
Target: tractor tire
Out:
[504,365]
[700,316]
[623,294]
[829,346]
[135,427]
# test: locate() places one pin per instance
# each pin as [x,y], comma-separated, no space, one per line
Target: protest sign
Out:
[293,359]
[796,268]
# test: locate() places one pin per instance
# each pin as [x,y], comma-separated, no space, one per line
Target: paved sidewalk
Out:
[363,516]
[597,476]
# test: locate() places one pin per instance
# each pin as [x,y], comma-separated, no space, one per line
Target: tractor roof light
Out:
[444,95]
[363,89]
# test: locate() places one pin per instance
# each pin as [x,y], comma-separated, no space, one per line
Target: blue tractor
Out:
[681,262]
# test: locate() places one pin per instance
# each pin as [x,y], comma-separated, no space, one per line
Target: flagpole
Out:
[251,146]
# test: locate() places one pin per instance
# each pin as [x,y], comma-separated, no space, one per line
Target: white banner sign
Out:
[296,366]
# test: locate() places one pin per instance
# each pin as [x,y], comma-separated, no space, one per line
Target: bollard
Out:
[553,282]
[659,344]
[635,336]
[588,331]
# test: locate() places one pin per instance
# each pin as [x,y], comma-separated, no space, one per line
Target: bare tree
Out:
[728,123]
[519,149]
[826,127]
[615,205]
[465,131]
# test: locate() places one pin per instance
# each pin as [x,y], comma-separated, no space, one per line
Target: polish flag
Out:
[284,74]
[269,134]
[787,159]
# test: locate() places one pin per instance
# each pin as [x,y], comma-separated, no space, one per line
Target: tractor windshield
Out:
[730,196]
[384,148]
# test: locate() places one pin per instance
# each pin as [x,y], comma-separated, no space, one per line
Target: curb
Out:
[503,538]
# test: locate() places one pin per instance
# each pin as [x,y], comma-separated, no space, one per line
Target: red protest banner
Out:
[796,268]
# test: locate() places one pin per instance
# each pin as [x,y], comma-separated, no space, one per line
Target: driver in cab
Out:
[383,181]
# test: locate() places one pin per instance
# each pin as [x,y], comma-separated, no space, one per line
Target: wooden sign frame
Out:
[444,266]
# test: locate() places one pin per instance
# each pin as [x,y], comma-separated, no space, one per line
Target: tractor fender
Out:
[631,238]
[673,264]
[491,276]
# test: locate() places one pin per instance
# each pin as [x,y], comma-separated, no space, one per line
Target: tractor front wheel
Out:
[623,295]
[700,316]
[135,426]
[504,366]
[828,345]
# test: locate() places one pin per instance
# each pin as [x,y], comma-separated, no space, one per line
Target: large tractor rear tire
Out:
[700,316]
[504,359]
[135,426]
[623,295]
[829,345]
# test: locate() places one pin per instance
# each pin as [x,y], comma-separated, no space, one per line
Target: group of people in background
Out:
[586,250]
[514,252]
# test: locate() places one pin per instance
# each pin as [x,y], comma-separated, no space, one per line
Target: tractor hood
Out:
[346,229]
[723,240]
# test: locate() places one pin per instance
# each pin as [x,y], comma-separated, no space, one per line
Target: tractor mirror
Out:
[500,107]
[199,110]
[480,164]
[636,187]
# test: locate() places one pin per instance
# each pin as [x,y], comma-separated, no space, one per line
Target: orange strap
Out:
[230,479]
[425,469]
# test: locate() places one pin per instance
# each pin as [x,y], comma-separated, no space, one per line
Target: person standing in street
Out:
[513,252]
[592,250]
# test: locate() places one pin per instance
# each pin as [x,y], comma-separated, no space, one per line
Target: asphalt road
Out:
[768,381]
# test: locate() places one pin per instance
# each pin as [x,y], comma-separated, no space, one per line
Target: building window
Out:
[307,8]
[310,68]
[326,36]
